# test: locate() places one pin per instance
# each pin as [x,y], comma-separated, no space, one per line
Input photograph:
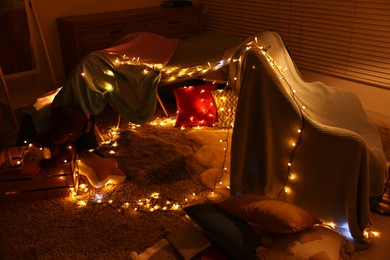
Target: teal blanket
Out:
[124,76]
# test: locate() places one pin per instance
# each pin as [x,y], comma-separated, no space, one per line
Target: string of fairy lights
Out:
[290,175]
[85,195]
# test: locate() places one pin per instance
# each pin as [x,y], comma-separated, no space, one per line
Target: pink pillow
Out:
[195,105]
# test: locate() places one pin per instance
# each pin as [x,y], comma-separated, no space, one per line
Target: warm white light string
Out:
[368,233]
[264,51]
[224,168]
[289,176]
[151,203]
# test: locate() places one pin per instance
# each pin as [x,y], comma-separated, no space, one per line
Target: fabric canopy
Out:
[125,76]
[97,79]
[306,143]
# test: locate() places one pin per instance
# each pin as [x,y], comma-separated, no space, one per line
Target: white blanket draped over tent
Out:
[306,143]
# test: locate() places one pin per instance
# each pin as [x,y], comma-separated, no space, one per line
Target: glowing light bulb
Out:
[108,87]
[82,203]
[292,176]
[109,72]
[330,224]
[375,233]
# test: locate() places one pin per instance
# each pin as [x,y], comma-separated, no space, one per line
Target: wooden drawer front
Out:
[180,26]
[80,35]
[54,183]
[100,37]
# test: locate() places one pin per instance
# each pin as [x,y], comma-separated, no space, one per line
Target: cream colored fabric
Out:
[338,161]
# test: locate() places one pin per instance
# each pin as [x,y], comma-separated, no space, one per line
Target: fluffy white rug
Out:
[214,155]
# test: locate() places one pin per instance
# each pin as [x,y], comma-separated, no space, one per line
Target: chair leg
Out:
[162,105]
[99,133]
[118,123]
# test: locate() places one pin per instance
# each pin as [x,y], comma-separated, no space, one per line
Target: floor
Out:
[379,251]
[381,248]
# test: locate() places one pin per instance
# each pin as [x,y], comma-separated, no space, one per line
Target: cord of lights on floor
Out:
[85,195]
[156,201]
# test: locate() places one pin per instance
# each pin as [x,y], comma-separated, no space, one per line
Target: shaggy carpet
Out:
[165,167]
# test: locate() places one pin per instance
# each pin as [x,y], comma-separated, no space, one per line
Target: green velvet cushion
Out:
[235,236]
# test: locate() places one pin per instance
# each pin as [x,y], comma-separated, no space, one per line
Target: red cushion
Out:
[195,105]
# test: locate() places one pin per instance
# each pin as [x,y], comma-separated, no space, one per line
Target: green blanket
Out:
[98,79]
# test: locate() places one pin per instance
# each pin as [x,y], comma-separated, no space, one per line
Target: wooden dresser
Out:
[80,35]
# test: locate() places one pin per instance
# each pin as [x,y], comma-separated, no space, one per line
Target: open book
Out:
[188,240]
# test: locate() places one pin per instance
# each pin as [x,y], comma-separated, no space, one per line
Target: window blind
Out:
[347,39]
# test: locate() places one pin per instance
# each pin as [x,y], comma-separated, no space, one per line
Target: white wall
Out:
[376,101]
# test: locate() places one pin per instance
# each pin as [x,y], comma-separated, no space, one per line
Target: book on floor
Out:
[188,240]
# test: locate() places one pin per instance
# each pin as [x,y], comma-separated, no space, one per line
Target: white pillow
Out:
[315,243]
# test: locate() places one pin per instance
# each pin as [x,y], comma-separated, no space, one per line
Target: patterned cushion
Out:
[226,103]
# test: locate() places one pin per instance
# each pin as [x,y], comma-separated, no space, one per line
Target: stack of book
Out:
[176,3]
